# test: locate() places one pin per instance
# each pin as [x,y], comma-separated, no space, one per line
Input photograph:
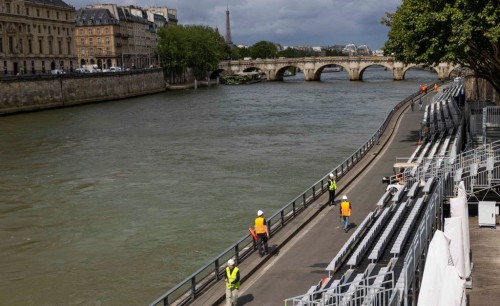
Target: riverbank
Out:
[192,85]
[33,93]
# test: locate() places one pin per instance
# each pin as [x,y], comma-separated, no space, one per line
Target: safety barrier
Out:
[191,287]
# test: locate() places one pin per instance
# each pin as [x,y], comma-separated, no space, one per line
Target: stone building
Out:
[36,36]
[123,36]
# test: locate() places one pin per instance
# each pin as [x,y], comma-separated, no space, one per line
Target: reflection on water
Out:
[114,203]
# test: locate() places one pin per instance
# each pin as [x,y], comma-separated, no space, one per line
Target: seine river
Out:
[115,203]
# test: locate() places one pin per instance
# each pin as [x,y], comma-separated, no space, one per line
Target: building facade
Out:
[123,36]
[36,36]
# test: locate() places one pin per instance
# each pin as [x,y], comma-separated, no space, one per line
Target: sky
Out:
[287,22]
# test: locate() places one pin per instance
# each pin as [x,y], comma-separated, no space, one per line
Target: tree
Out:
[264,49]
[465,32]
[198,47]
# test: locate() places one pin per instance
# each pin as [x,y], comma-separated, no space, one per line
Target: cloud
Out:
[288,22]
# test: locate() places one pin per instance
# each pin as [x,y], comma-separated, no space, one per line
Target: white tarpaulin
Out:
[453,230]
[434,271]
[458,208]
[452,289]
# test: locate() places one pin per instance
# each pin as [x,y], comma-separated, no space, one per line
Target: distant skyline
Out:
[287,22]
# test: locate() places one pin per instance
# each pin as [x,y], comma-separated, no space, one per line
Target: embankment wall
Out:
[26,94]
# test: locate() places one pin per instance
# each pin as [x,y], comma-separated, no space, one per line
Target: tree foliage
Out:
[264,49]
[465,32]
[198,47]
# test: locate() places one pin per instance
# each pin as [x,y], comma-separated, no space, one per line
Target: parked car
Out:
[57,71]
[115,69]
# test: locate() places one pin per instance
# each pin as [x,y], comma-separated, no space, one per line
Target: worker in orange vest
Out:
[262,233]
[345,212]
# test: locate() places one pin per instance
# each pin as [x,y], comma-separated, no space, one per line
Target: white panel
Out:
[453,230]
[434,270]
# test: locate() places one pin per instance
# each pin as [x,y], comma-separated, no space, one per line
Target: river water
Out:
[115,203]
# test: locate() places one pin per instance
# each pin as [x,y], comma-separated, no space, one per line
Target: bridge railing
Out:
[198,282]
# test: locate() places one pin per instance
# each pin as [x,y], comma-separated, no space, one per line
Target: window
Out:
[27,12]
[82,51]
[66,16]
[57,15]
[58,31]
[98,31]
[99,51]
[90,31]
[106,30]
[30,46]
[1,45]
[107,40]
[91,41]
[43,66]
[20,46]
[33,67]
[82,41]
[7,8]
[59,45]
[99,41]
[48,14]
[69,47]
[11,44]
[81,31]
[91,51]
[18,10]
[37,13]
[108,52]
[51,50]
[40,46]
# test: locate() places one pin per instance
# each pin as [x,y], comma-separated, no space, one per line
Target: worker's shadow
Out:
[245,299]
[352,225]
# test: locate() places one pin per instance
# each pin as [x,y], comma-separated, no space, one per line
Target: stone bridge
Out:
[312,67]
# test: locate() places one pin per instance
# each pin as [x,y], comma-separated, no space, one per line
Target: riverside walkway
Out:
[295,264]
[301,251]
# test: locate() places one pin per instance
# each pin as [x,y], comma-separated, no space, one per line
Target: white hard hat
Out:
[344,197]
[331,175]
[260,213]
[230,262]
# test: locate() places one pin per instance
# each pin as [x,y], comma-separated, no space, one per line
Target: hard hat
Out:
[344,197]
[260,213]
[331,175]
[230,262]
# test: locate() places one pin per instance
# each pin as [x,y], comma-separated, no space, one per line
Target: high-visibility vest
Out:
[231,276]
[333,185]
[260,226]
[345,208]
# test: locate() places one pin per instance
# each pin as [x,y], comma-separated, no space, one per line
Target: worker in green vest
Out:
[332,186]
[232,283]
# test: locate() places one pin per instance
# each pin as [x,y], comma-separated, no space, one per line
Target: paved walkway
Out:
[301,251]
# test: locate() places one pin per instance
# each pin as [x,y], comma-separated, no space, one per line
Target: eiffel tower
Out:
[228,38]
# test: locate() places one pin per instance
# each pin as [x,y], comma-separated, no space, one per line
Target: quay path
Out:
[301,251]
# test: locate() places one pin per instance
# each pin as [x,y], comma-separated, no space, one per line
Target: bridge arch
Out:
[320,69]
[363,68]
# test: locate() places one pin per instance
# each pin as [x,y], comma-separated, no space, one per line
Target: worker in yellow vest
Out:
[345,212]
[232,283]
[332,186]
[262,233]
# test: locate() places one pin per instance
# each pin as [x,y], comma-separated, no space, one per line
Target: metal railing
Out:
[353,293]
[191,287]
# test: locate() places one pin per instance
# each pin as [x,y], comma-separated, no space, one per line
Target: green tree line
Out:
[202,48]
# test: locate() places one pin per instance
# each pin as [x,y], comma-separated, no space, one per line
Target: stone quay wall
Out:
[24,94]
